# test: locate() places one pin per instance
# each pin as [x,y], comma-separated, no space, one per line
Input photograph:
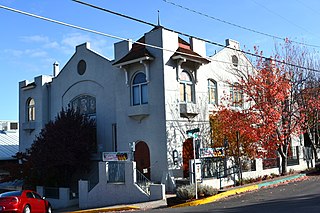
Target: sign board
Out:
[212,152]
[197,172]
[115,156]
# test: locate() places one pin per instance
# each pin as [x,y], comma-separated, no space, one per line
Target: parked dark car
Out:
[25,201]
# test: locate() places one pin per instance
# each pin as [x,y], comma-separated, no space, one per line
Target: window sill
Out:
[138,112]
[29,126]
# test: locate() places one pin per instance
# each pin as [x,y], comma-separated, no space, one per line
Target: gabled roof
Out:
[138,52]
[184,52]
[9,144]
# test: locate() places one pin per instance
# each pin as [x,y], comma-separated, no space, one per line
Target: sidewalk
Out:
[163,203]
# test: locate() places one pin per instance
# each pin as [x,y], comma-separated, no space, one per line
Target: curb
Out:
[270,183]
[106,209]
[236,191]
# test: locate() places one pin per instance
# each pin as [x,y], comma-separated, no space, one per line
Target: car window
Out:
[13,193]
[29,195]
[37,195]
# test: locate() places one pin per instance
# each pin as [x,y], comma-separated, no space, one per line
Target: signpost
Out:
[192,134]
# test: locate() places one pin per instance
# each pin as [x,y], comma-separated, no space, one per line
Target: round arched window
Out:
[235,60]
[139,89]
[186,87]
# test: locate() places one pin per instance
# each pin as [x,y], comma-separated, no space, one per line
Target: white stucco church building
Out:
[146,95]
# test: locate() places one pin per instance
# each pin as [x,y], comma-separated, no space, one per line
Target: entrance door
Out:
[142,158]
[187,154]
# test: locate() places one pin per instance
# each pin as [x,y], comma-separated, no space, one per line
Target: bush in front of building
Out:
[63,148]
[187,192]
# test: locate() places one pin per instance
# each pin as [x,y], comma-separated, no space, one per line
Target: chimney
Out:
[233,44]
[56,69]
[121,49]
[198,46]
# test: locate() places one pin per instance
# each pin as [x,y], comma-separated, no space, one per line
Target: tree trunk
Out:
[284,161]
[313,143]
[284,158]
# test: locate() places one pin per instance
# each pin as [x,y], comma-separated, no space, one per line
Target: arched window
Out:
[139,89]
[212,91]
[235,60]
[186,87]
[31,109]
[236,95]
[85,104]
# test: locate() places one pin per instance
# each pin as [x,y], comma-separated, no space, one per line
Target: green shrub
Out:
[207,190]
[188,191]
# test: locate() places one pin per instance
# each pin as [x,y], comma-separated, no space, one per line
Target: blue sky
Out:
[29,46]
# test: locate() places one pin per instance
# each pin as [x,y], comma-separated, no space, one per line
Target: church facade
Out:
[151,93]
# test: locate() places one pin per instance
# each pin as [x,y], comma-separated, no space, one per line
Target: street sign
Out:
[192,131]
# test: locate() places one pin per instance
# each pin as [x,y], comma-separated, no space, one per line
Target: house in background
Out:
[146,95]
[9,143]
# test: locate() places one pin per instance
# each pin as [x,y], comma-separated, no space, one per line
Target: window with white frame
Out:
[139,89]
[186,87]
[236,95]
[31,109]
[212,91]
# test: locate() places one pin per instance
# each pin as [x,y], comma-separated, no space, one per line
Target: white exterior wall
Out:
[161,126]
[29,129]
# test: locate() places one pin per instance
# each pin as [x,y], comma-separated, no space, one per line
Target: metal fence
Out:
[143,182]
[270,163]
[116,172]
[248,165]
[212,167]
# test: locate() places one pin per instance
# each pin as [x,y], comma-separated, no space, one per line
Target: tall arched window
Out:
[212,91]
[139,89]
[186,87]
[31,109]
[236,95]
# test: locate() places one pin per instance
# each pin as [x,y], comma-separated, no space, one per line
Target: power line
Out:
[152,46]
[188,35]
[277,14]
[239,26]
[100,33]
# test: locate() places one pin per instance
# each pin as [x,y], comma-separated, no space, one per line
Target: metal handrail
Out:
[143,182]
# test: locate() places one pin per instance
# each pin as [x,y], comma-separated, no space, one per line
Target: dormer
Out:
[137,54]
[187,58]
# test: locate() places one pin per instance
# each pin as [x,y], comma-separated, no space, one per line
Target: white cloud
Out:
[35,38]
[36,53]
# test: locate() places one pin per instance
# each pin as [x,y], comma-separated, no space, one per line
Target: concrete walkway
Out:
[163,203]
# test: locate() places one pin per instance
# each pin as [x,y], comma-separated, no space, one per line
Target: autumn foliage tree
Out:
[270,119]
[62,148]
[226,124]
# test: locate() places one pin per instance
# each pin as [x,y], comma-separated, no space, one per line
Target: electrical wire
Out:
[239,26]
[277,14]
[201,39]
[101,33]
[136,42]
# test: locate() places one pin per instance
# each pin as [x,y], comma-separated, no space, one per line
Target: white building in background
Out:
[9,140]
[145,95]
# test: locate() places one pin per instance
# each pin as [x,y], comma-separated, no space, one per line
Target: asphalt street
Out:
[303,196]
